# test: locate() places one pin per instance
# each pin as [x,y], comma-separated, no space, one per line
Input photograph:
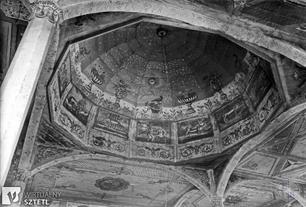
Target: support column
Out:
[19,86]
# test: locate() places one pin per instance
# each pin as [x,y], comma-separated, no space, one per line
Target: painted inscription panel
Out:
[194,129]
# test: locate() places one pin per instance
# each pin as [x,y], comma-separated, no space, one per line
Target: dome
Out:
[160,92]
[150,62]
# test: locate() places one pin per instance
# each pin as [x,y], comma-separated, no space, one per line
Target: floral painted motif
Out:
[240,132]
[195,150]
[108,144]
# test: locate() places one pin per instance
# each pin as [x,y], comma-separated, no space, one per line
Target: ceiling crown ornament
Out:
[15,9]
[46,8]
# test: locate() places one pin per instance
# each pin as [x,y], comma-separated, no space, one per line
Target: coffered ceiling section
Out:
[158,92]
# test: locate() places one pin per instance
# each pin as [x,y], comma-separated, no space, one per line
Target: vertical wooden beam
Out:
[19,86]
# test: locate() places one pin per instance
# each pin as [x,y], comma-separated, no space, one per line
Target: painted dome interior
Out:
[142,103]
[145,84]
[152,61]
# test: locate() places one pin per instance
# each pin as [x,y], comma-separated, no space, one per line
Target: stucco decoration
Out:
[131,93]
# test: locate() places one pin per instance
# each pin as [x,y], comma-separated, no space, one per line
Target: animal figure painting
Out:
[190,130]
[155,105]
[153,131]
[231,113]
[112,123]
[78,105]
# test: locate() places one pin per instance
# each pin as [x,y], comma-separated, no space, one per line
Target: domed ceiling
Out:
[147,64]
[158,92]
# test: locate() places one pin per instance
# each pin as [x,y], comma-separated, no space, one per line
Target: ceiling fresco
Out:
[128,102]
[157,92]
[153,65]
[107,182]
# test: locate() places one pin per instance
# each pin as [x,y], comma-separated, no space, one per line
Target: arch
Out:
[203,188]
[297,196]
[195,14]
[185,197]
[271,129]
